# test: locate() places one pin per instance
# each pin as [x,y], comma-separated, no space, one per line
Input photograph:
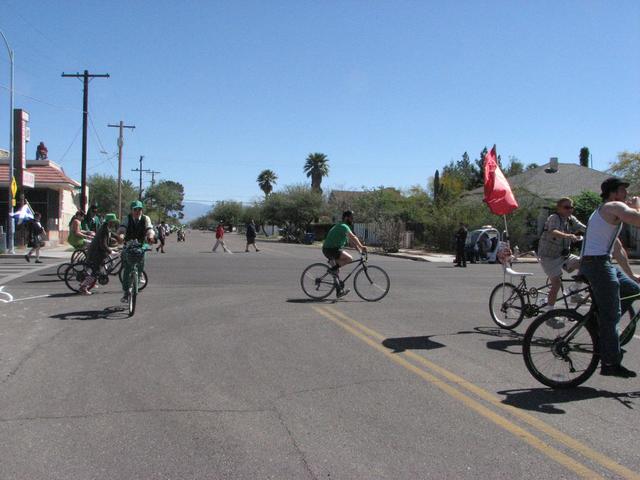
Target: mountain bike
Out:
[560,348]
[509,304]
[370,282]
[133,253]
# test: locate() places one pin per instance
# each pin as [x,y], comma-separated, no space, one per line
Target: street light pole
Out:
[10,245]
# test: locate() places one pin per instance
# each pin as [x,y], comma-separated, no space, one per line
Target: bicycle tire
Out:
[627,328]
[544,350]
[144,279]
[317,281]
[62,268]
[133,291]
[374,280]
[74,276]
[497,304]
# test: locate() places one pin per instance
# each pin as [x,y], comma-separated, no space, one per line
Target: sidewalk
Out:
[60,252]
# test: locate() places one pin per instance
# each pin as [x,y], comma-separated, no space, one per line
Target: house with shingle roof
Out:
[54,195]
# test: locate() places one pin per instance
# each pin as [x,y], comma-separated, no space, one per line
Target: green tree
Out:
[164,200]
[316,167]
[436,186]
[228,212]
[584,156]
[584,205]
[266,180]
[531,166]
[515,167]
[295,208]
[103,190]
[627,166]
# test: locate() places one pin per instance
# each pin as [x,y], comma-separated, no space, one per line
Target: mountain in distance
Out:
[193,210]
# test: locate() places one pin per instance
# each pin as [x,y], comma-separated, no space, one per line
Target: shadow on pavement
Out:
[510,338]
[44,281]
[63,295]
[310,300]
[109,313]
[401,344]
[545,399]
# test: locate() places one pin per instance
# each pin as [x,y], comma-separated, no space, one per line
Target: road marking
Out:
[499,420]
[8,298]
[484,394]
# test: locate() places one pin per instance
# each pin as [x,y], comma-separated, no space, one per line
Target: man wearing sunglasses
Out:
[554,249]
[135,226]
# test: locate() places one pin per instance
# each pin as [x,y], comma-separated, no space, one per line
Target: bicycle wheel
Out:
[627,327]
[78,256]
[371,283]
[113,266]
[506,305]
[133,291]
[62,268]
[144,279]
[74,275]
[317,281]
[560,349]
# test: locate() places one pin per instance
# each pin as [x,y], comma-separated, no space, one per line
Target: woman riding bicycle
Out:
[333,246]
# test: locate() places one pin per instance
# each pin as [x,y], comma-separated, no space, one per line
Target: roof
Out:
[569,180]
[45,171]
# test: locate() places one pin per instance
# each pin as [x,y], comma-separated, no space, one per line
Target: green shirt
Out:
[337,237]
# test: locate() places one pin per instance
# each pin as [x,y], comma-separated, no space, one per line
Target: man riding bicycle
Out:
[333,247]
[135,226]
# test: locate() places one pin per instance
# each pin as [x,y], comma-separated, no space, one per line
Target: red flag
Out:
[497,192]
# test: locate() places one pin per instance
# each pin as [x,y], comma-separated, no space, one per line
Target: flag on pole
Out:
[24,214]
[497,191]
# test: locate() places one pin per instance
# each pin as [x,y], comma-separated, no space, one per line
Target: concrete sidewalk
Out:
[60,251]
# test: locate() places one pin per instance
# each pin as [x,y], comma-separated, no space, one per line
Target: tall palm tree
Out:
[266,180]
[316,167]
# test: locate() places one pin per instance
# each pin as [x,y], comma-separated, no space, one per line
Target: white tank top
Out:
[600,236]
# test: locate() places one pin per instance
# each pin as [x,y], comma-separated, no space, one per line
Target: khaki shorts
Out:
[553,266]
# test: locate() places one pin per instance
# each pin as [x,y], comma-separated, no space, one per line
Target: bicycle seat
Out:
[511,271]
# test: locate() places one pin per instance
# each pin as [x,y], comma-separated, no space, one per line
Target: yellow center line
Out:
[554,433]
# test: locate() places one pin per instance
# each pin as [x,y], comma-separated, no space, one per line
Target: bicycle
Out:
[510,304]
[134,255]
[370,282]
[560,348]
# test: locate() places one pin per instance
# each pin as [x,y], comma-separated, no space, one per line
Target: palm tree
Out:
[266,180]
[316,167]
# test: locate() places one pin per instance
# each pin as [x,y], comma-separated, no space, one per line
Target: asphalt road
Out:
[228,371]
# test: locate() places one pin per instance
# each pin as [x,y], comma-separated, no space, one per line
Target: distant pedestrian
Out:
[220,239]
[35,236]
[251,236]
[461,238]
[162,235]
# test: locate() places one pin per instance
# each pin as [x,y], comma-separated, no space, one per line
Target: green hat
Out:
[136,204]
[110,217]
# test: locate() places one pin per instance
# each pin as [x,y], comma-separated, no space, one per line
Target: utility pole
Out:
[85,112]
[153,176]
[10,200]
[121,126]
[141,172]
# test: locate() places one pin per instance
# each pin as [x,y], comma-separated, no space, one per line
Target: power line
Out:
[16,92]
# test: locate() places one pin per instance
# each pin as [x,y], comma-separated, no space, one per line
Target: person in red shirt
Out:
[220,239]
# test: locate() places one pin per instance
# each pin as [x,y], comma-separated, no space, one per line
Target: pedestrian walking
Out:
[162,235]
[461,238]
[35,235]
[251,236]
[220,239]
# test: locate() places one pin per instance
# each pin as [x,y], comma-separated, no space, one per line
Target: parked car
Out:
[482,244]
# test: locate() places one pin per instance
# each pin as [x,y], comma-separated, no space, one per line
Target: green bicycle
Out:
[560,348]
[133,255]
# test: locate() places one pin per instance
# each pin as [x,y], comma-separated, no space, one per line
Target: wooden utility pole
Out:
[85,112]
[153,176]
[121,126]
[141,172]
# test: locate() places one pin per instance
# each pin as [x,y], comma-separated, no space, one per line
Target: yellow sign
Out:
[14,187]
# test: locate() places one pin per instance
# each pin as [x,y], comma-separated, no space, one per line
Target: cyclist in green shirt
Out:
[333,247]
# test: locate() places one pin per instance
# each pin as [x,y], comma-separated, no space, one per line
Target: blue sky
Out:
[388,90]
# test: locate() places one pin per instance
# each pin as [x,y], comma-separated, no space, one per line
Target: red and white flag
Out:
[497,191]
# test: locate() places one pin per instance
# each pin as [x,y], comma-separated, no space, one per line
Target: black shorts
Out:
[332,253]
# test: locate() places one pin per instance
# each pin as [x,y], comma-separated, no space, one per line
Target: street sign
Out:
[28,179]
[14,187]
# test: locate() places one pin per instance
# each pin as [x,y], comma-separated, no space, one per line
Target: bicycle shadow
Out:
[545,400]
[311,300]
[401,344]
[109,313]
[510,338]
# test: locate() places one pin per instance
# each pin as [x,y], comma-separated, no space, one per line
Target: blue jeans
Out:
[608,284]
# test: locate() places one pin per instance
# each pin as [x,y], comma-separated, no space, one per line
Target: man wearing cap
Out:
[98,251]
[135,226]
[609,283]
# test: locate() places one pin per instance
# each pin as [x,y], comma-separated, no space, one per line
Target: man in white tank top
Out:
[609,283]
